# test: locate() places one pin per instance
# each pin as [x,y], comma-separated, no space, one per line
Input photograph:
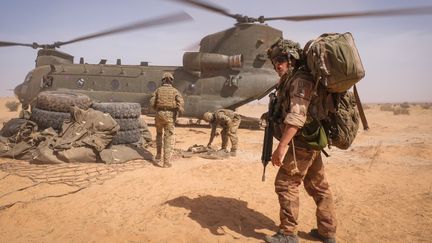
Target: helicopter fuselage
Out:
[230,70]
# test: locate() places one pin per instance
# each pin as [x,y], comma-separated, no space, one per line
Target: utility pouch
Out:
[316,139]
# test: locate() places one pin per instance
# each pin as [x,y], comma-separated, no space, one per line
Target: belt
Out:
[166,109]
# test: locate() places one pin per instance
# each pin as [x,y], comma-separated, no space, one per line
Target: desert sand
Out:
[382,188]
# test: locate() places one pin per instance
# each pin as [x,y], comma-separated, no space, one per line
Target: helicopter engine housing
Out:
[201,62]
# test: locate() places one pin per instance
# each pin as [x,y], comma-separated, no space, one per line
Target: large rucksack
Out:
[334,61]
[342,123]
[335,64]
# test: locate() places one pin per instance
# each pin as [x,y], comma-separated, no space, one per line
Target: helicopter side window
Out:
[80,83]
[115,84]
[151,86]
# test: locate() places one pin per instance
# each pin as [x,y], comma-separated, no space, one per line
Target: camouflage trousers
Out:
[310,165]
[230,132]
[164,122]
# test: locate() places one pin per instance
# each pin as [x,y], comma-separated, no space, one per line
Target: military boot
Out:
[158,154]
[166,164]
[233,153]
[222,153]
[280,237]
[314,233]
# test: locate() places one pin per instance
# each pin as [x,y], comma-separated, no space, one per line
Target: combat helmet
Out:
[167,77]
[287,48]
[208,116]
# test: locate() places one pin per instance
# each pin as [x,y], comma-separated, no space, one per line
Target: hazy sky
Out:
[396,51]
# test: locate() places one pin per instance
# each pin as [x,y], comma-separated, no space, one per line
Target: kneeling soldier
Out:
[229,121]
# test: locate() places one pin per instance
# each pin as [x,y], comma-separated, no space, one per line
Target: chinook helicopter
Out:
[229,70]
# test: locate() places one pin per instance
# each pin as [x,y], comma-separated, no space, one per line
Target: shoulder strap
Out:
[360,109]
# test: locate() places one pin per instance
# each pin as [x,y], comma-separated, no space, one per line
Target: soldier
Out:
[168,103]
[229,121]
[297,160]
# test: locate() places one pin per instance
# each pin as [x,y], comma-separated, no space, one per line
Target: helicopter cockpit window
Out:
[115,84]
[151,86]
[80,83]
[28,77]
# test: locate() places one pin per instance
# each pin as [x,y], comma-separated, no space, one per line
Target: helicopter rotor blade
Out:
[208,7]
[7,43]
[379,13]
[167,19]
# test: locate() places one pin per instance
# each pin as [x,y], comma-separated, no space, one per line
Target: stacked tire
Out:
[52,108]
[127,116]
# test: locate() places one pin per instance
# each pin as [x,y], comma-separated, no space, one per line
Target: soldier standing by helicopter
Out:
[168,103]
[297,160]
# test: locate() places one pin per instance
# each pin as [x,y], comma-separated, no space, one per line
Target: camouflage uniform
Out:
[168,103]
[229,121]
[294,93]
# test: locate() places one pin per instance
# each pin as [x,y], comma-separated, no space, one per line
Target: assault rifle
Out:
[268,135]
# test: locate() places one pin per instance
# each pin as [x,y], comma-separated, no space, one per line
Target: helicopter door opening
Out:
[230,86]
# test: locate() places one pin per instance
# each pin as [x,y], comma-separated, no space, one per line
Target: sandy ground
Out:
[382,188]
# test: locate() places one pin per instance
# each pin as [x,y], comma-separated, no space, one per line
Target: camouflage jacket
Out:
[167,97]
[294,93]
[223,118]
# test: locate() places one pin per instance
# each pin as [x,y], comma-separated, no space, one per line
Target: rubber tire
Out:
[45,119]
[61,101]
[126,137]
[119,109]
[128,123]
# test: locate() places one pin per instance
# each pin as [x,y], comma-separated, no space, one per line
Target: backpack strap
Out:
[360,109]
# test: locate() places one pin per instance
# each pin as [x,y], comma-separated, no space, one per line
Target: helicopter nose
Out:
[17,91]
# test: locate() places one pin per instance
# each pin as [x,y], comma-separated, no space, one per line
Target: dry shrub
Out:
[400,111]
[405,105]
[365,107]
[426,106]
[386,107]
[12,105]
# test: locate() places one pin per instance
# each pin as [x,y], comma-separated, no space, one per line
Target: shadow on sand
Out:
[217,213]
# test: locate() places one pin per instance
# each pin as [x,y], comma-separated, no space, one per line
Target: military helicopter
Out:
[229,70]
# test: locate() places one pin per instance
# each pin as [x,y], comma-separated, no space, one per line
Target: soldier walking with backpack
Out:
[298,161]
[168,103]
